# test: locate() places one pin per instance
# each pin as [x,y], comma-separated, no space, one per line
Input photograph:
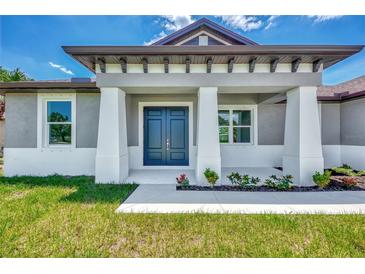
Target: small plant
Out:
[349,181]
[279,183]
[345,171]
[182,180]
[243,180]
[235,178]
[346,166]
[322,179]
[254,181]
[361,173]
[211,176]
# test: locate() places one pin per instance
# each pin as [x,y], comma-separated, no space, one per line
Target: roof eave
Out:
[216,50]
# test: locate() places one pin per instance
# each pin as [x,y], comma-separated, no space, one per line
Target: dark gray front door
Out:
[166,136]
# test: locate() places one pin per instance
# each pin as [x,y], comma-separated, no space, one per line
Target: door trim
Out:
[141,106]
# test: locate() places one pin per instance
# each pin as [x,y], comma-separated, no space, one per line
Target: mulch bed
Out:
[335,185]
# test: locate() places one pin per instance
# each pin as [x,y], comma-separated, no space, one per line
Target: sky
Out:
[33,43]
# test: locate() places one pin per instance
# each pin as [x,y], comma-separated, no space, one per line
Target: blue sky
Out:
[33,43]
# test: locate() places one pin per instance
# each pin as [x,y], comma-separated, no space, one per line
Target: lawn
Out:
[72,217]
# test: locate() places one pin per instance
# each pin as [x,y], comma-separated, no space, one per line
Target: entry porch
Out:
[224,129]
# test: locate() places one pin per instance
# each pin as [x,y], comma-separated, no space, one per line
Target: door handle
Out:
[167,144]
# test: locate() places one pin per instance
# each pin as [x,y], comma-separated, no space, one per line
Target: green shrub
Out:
[346,166]
[322,179]
[243,180]
[211,176]
[254,180]
[361,173]
[345,171]
[279,183]
[235,178]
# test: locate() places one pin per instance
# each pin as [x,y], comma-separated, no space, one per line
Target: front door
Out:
[166,136]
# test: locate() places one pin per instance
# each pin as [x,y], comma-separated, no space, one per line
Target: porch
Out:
[167,176]
[221,128]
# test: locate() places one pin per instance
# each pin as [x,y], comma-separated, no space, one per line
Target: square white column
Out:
[208,147]
[302,143]
[111,164]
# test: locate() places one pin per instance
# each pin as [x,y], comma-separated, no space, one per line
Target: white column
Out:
[302,143]
[112,150]
[208,148]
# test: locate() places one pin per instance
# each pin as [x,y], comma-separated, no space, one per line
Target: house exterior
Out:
[201,97]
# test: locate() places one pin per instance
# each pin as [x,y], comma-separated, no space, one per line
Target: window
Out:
[235,125]
[59,123]
[56,120]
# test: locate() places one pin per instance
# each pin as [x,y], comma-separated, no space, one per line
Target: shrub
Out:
[255,180]
[243,180]
[211,176]
[235,178]
[345,171]
[346,166]
[182,180]
[361,173]
[349,181]
[279,183]
[322,179]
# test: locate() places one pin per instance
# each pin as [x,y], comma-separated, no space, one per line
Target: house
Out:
[201,97]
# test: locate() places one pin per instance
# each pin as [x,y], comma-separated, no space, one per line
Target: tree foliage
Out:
[13,75]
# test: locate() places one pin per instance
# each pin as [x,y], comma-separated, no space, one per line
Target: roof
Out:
[176,48]
[220,54]
[210,25]
[347,90]
[73,83]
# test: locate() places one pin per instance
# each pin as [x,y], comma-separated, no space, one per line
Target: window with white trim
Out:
[59,122]
[235,125]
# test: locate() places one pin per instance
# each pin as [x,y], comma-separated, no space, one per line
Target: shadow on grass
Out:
[86,191]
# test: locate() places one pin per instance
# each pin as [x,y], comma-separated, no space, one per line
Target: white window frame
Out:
[43,124]
[253,131]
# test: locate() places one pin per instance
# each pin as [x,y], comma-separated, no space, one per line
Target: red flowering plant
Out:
[349,181]
[182,180]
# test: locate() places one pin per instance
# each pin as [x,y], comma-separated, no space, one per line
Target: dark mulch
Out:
[334,186]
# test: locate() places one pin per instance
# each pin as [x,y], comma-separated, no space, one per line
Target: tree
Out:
[10,76]
[13,75]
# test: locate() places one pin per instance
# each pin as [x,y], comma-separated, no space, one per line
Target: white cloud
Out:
[155,38]
[176,22]
[61,68]
[323,18]
[243,22]
[170,23]
[271,21]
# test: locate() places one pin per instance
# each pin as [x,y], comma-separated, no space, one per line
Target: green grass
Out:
[72,217]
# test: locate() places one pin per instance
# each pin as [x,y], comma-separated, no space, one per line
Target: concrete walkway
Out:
[165,199]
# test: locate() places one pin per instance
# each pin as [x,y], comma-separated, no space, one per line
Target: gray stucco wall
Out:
[237,99]
[341,123]
[271,124]
[132,101]
[87,119]
[353,122]
[330,121]
[21,120]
